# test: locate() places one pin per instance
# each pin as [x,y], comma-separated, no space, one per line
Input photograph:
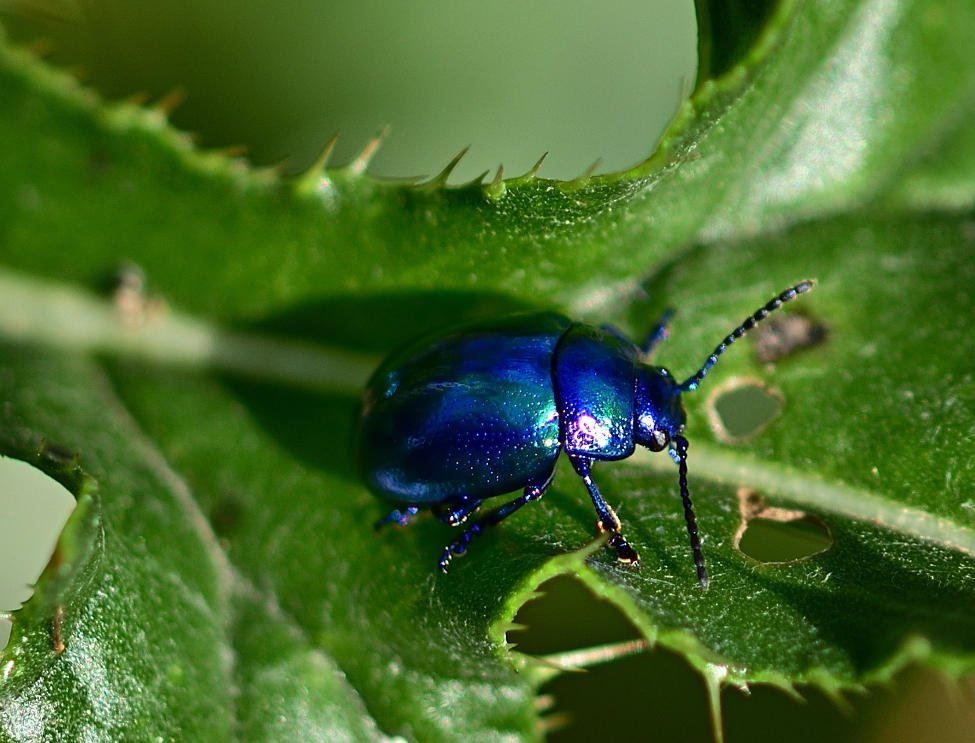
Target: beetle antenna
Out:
[702,573]
[750,322]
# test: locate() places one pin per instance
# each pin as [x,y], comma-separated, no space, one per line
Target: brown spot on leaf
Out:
[784,335]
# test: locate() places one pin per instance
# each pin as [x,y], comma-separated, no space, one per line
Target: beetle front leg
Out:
[608,521]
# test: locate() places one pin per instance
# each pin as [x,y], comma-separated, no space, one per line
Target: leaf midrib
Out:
[62,316]
[737,468]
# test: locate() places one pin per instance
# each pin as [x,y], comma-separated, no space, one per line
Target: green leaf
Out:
[220,577]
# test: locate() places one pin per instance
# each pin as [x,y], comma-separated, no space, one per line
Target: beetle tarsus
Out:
[459,547]
[448,554]
[624,552]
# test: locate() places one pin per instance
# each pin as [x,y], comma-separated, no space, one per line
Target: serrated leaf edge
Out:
[319,178]
[716,671]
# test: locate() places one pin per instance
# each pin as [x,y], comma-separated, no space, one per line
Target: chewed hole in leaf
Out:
[549,624]
[778,535]
[35,508]
[741,408]
[623,684]
[562,627]
[775,541]
[784,335]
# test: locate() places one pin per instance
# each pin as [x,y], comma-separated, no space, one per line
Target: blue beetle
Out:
[486,410]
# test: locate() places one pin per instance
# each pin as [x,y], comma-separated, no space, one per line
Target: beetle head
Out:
[659,414]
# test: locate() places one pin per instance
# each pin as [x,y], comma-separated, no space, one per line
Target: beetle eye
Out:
[661,438]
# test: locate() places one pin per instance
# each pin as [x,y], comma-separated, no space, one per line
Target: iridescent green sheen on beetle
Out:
[486,409]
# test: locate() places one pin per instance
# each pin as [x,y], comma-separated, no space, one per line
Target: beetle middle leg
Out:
[492,518]
[608,520]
